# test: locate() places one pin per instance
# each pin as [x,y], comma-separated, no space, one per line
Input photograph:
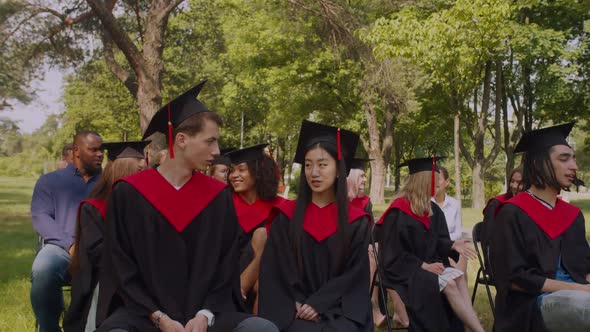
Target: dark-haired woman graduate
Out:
[489,212]
[539,251]
[315,268]
[219,168]
[253,179]
[414,247]
[125,158]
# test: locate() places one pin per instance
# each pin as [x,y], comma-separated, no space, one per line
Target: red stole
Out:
[178,207]
[500,198]
[553,222]
[99,204]
[251,215]
[403,204]
[319,222]
[360,202]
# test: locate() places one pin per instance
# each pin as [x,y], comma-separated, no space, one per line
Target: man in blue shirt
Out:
[54,209]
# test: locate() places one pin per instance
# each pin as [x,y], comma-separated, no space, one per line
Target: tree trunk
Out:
[456,138]
[373,148]
[146,63]
[478,166]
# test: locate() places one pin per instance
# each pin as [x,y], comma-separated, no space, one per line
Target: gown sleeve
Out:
[509,255]
[226,285]
[444,243]
[117,245]
[280,285]
[398,264]
[91,233]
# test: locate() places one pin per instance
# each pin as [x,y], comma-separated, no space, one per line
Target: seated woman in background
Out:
[220,165]
[414,251]
[125,158]
[253,179]
[315,268]
[489,212]
[452,210]
[356,183]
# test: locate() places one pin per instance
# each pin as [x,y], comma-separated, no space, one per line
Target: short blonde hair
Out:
[416,189]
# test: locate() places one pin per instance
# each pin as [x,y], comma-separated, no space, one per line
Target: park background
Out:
[462,78]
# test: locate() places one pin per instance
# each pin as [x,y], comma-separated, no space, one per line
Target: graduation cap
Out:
[222,159]
[544,138]
[423,164]
[118,150]
[312,133]
[254,152]
[359,163]
[175,112]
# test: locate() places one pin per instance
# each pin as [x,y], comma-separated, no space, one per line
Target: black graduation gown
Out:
[404,244]
[152,264]
[341,298]
[251,217]
[523,254]
[83,283]
[363,203]
[489,215]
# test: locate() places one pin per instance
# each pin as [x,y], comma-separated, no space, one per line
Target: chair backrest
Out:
[481,248]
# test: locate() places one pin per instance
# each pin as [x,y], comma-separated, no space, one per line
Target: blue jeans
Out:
[49,274]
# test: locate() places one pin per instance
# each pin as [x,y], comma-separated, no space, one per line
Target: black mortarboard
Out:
[311,133]
[222,159]
[544,138]
[172,114]
[359,163]
[423,164]
[254,152]
[118,150]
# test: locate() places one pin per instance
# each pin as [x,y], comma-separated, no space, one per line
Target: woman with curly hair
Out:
[253,179]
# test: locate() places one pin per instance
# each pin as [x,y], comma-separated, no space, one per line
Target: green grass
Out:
[17,250]
[18,242]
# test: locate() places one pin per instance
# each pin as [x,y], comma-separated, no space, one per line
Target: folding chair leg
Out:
[382,295]
[475,286]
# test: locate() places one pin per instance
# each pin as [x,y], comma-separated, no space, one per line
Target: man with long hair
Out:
[539,250]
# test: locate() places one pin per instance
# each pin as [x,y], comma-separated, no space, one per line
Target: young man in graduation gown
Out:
[171,249]
[125,158]
[538,243]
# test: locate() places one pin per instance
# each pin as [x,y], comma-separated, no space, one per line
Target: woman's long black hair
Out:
[303,200]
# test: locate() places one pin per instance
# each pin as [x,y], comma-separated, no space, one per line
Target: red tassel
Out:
[147,159]
[170,141]
[338,144]
[433,178]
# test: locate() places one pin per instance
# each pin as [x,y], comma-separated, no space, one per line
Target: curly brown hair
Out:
[264,172]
